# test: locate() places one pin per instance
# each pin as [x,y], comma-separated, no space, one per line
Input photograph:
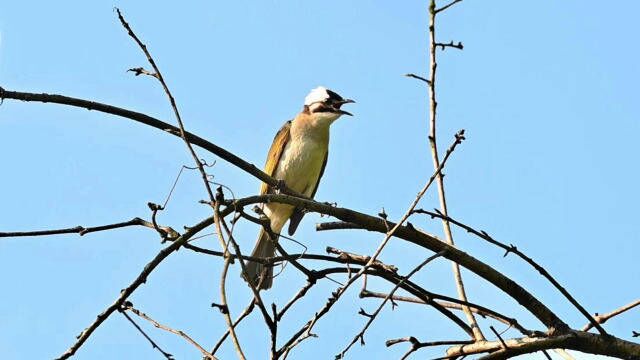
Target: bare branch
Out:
[153,122]
[140,279]
[153,343]
[433,104]
[372,317]
[127,306]
[416,345]
[450,44]
[418,78]
[241,317]
[158,75]
[449,305]
[436,11]
[601,319]
[513,249]
[81,230]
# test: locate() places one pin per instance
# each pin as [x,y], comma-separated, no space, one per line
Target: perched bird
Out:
[297,156]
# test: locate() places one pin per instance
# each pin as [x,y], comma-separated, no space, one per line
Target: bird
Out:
[298,156]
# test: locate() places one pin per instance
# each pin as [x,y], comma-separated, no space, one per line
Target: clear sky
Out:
[547,92]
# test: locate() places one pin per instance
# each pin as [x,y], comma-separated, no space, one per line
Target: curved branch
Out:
[512,249]
[150,121]
[411,234]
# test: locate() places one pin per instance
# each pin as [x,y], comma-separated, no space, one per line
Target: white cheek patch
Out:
[318,94]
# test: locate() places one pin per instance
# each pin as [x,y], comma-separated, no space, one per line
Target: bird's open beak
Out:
[342,102]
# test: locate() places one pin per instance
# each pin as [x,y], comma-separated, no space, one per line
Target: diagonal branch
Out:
[127,306]
[144,334]
[512,249]
[139,280]
[601,319]
[149,121]
[480,310]
[158,75]
[372,317]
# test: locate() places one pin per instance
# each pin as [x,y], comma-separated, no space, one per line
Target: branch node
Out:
[223,308]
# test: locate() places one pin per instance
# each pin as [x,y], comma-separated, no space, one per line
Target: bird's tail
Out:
[259,274]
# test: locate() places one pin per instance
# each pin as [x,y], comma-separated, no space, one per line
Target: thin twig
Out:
[433,104]
[418,78]
[449,305]
[158,75]
[601,319]
[241,317]
[129,307]
[450,44]
[436,11]
[153,343]
[416,345]
[81,230]
[223,281]
[372,317]
[140,279]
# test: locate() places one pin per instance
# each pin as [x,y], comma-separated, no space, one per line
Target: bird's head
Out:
[325,104]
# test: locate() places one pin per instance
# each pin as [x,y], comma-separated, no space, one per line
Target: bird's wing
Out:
[275,152]
[298,213]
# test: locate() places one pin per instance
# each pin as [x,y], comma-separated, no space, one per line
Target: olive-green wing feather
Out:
[275,152]
[298,213]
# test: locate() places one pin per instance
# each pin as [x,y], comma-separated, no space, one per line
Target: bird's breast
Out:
[301,163]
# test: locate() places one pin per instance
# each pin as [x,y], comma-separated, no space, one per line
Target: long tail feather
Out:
[257,273]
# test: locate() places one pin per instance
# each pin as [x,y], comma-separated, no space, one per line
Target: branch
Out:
[81,230]
[450,44]
[153,122]
[158,75]
[140,279]
[335,296]
[153,344]
[416,345]
[241,317]
[449,305]
[372,317]
[391,277]
[129,307]
[436,11]
[601,319]
[422,239]
[224,307]
[575,340]
[512,249]
[418,78]
[433,104]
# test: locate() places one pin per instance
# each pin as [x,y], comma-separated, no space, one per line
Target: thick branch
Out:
[411,234]
[512,249]
[575,340]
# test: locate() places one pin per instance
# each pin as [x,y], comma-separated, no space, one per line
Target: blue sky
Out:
[547,93]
